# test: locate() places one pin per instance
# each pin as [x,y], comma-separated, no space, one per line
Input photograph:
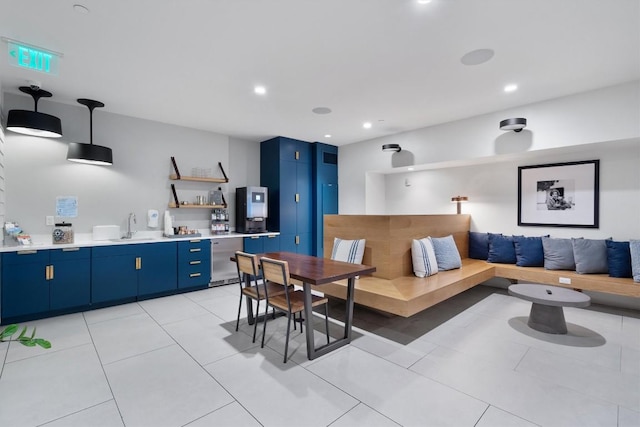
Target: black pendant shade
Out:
[89,153]
[34,123]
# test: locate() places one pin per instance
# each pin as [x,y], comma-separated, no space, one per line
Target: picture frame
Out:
[559,194]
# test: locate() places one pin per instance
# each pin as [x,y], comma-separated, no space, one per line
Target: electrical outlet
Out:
[564,280]
[49,220]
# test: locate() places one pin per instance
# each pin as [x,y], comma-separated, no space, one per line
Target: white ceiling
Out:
[395,63]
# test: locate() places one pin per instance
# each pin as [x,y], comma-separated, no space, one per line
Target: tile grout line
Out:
[103,370]
[203,369]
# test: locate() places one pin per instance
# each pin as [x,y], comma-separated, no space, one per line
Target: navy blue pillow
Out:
[529,251]
[478,245]
[618,258]
[501,249]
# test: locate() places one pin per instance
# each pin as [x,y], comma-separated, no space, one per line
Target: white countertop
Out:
[43,241]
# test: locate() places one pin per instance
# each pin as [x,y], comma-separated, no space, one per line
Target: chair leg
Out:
[301,321]
[255,322]
[239,309]
[286,343]
[326,320]
[264,327]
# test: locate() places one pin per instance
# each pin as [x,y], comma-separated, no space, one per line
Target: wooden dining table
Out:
[316,271]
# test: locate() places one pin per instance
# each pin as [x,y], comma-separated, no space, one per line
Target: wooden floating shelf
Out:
[194,206]
[175,177]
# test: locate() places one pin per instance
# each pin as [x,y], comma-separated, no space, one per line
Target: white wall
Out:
[608,114]
[37,170]
[493,193]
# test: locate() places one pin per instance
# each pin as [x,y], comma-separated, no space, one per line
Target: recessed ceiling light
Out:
[424,1]
[260,90]
[477,57]
[80,9]
[327,136]
[366,125]
[511,88]
[321,110]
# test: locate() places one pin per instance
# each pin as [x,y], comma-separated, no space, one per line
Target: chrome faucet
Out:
[130,232]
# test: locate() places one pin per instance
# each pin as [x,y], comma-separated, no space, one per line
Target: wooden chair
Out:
[248,273]
[291,301]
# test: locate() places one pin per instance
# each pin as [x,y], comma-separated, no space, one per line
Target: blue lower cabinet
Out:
[70,283]
[271,243]
[253,245]
[262,244]
[125,272]
[194,264]
[157,268]
[36,283]
[114,274]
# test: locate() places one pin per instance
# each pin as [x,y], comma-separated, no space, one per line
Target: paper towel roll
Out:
[168,225]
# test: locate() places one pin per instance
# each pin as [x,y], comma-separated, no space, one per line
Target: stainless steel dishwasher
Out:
[223,271]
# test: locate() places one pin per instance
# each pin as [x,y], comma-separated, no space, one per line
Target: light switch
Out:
[49,220]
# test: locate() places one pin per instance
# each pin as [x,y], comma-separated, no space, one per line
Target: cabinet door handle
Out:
[51,272]
[297,240]
[70,249]
[297,198]
[194,241]
[271,236]
[195,262]
[297,155]
[27,252]
[254,237]
[195,250]
[47,272]
[138,263]
[195,275]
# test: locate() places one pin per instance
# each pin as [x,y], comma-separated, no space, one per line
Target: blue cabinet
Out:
[286,170]
[325,188]
[157,268]
[35,282]
[194,264]
[262,244]
[125,272]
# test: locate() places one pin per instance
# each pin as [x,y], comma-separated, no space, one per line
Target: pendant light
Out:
[34,123]
[89,153]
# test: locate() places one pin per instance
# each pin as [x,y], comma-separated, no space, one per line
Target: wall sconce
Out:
[392,147]
[515,124]
[459,200]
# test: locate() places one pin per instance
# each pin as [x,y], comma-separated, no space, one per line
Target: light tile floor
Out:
[470,361]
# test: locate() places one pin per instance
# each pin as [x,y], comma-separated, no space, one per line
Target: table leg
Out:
[547,318]
[312,351]
[308,315]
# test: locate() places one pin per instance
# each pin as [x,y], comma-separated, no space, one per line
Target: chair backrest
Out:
[247,263]
[275,271]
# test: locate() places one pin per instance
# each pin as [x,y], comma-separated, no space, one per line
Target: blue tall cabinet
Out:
[285,169]
[325,189]
[295,173]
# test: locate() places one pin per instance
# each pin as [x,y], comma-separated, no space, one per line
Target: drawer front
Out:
[70,254]
[194,249]
[25,257]
[114,250]
[194,273]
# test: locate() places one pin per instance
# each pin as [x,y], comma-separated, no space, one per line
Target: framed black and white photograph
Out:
[559,194]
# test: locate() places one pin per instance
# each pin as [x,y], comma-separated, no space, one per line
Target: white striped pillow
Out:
[424,258]
[348,250]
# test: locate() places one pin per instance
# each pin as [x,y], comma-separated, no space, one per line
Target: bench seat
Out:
[407,295]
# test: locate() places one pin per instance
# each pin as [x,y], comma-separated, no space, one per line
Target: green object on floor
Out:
[29,341]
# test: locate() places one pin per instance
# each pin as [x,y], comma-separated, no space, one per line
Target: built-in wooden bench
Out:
[394,288]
